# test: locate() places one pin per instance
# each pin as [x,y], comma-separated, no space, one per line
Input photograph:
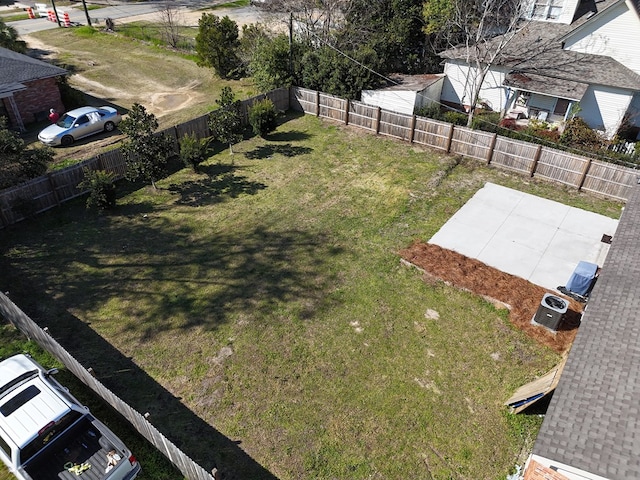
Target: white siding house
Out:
[554,63]
[459,83]
[410,92]
[603,108]
[615,33]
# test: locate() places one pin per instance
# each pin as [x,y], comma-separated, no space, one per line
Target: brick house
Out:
[28,88]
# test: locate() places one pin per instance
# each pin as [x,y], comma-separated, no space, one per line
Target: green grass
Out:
[155,465]
[14,17]
[233,4]
[155,34]
[107,59]
[261,306]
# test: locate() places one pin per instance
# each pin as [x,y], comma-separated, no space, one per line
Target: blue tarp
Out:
[582,278]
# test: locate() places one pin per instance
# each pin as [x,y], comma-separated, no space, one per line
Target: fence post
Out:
[53,189]
[450,138]
[412,132]
[378,117]
[317,103]
[3,218]
[346,112]
[536,159]
[585,172]
[492,147]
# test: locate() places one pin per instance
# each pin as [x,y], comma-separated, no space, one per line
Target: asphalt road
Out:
[78,16]
[115,10]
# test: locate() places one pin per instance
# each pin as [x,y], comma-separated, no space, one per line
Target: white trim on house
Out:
[571,473]
[615,33]
[603,108]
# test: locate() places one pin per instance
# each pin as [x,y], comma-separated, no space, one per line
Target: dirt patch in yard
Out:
[521,296]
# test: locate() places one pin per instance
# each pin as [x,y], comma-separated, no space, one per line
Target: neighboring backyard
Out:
[266,295]
[258,310]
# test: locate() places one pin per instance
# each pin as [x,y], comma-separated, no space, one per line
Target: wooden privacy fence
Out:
[51,190]
[22,322]
[583,173]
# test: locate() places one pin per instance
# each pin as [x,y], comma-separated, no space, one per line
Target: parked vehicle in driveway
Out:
[47,434]
[79,123]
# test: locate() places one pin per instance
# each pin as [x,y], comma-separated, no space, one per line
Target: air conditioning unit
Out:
[550,312]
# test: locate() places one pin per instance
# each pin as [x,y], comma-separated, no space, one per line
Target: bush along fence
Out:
[594,176]
[190,469]
[583,173]
[51,190]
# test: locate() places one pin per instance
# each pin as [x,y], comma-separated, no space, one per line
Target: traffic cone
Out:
[66,20]
[51,16]
[30,12]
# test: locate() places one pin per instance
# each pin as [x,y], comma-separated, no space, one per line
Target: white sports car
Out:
[79,123]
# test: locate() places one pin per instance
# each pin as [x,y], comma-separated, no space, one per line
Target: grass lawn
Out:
[259,312]
[124,70]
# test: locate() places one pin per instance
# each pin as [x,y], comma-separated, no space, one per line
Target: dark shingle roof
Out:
[537,49]
[16,67]
[593,421]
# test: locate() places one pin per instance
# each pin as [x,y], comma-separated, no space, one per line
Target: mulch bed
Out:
[521,296]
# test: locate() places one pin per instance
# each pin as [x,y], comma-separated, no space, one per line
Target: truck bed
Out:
[82,444]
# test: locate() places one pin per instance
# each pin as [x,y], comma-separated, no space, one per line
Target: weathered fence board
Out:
[362,115]
[513,155]
[611,180]
[432,133]
[396,125]
[471,143]
[561,167]
[332,107]
[198,127]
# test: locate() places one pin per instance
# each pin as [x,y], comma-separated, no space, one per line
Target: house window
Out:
[562,104]
[547,9]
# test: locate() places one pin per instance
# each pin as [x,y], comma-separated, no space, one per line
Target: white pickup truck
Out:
[46,433]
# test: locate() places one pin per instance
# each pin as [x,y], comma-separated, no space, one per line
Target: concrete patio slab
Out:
[527,236]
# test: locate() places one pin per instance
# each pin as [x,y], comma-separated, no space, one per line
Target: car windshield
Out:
[66,121]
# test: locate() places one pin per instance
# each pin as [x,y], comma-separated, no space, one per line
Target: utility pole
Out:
[86,12]
[291,44]
[55,12]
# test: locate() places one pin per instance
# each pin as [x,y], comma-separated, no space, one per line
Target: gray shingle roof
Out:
[593,421]
[16,67]
[537,49]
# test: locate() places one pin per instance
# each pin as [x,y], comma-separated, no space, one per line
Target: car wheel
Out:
[109,127]
[66,140]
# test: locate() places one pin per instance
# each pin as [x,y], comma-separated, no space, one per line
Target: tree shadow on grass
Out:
[288,136]
[221,184]
[270,149]
[160,270]
[199,440]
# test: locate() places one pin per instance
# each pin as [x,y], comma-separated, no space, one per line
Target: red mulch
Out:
[522,296]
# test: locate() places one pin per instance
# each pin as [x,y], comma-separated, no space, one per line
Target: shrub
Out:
[193,150]
[487,122]
[431,111]
[262,117]
[457,118]
[102,190]
[578,134]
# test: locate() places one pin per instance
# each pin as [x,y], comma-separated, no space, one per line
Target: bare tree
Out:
[315,21]
[477,31]
[171,19]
